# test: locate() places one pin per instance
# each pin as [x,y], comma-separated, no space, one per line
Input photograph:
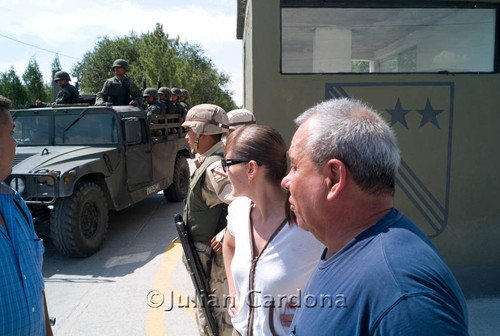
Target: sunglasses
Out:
[229,162]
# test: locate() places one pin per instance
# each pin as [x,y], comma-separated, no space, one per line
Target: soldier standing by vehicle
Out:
[205,211]
[119,90]
[68,94]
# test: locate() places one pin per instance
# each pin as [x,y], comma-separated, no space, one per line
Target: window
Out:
[85,129]
[387,40]
[31,130]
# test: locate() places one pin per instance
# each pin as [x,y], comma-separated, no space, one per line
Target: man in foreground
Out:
[23,308]
[379,274]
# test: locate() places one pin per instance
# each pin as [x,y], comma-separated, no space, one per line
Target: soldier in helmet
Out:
[205,210]
[176,93]
[239,118]
[119,90]
[164,94]
[153,107]
[182,100]
[67,94]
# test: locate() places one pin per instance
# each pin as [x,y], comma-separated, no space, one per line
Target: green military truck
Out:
[75,163]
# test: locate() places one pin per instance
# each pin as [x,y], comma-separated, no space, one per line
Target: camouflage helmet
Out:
[121,63]
[166,91]
[150,92]
[239,118]
[61,75]
[185,93]
[207,119]
[176,91]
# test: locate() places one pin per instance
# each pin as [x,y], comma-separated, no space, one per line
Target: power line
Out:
[34,46]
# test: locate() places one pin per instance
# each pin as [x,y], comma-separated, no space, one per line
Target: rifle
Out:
[143,81]
[159,80]
[198,276]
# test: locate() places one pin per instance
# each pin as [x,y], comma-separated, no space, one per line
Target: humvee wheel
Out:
[79,223]
[178,190]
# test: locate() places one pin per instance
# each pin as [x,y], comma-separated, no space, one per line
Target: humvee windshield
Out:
[31,130]
[66,129]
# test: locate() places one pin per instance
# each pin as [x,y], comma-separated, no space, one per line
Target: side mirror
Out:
[133,133]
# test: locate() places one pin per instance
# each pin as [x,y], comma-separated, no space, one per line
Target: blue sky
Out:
[72,28]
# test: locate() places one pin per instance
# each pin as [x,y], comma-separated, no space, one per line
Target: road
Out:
[107,293]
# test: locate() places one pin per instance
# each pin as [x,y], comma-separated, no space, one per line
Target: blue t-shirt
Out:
[390,280]
[21,281]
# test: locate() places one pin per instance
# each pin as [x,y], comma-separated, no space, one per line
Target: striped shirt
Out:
[21,280]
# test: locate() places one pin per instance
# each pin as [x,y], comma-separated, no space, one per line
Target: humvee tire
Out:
[79,223]
[178,190]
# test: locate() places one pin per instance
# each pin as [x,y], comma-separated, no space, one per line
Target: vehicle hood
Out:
[61,158]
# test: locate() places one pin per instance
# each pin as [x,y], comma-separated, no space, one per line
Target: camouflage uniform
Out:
[119,92]
[67,95]
[204,214]
[154,108]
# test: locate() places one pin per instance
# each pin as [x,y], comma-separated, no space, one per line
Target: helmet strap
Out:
[196,140]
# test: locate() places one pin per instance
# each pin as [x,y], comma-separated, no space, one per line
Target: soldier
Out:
[183,101]
[209,191]
[239,118]
[68,94]
[176,93]
[119,90]
[153,107]
[165,94]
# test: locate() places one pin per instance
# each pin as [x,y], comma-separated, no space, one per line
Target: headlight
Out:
[18,184]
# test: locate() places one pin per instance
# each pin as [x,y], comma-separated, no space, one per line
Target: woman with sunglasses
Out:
[268,258]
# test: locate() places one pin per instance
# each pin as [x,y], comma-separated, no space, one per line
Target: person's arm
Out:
[228,247]
[135,93]
[102,96]
[217,182]
[48,327]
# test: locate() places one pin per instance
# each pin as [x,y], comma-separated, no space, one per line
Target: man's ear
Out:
[336,175]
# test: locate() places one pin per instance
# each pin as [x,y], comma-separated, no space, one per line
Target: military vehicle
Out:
[74,163]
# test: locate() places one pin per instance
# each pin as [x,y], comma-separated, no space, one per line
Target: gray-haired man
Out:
[379,274]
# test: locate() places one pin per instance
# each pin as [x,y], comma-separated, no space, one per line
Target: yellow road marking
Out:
[155,324]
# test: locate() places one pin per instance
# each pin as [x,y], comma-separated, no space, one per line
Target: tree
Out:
[12,88]
[178,64]
[56,64]
[33,80]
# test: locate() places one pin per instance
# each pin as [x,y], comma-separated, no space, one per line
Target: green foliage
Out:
[33,80]
[360,66]
[176,64]
[56,64]
[12,88]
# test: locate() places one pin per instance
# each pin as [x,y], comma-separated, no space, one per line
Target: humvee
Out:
[74,163]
